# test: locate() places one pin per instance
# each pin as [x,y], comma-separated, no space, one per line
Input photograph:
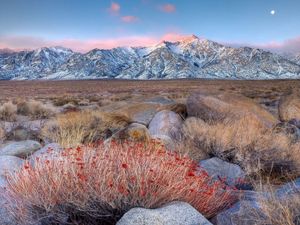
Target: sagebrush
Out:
[75,128]
[244,141]
[97,185]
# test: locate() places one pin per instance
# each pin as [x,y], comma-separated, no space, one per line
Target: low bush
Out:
[244,141]
[276,210]
[8,111]
[61,101]
[98,184]
[35,109]
[75,128]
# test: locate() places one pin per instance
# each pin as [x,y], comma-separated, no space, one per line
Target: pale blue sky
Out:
[26,22]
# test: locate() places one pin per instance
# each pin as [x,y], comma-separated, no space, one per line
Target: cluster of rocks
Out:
[161,118]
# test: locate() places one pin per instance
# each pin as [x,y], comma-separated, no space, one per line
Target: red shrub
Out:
[101,183]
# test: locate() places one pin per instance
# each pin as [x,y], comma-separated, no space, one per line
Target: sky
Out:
[86,24]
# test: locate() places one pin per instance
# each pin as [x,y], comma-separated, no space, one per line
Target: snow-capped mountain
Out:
[295,58]
[190,58]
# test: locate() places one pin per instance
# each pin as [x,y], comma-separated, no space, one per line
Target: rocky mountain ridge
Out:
[191,57]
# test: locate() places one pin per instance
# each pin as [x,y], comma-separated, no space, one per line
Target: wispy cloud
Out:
[129,19]
[288,46]
[28,42]
[168,8]
[114,8]
[19,42]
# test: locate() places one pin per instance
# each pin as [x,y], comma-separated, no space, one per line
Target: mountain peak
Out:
[192,57]
[190,38]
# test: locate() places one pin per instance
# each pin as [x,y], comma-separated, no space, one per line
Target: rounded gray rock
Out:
[165,123]
[20,149]
[217,168]
[179,213]
[9,164]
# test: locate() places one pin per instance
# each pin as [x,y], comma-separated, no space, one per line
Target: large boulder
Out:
[166,123]
[10,164]
[218,169]
[20,149]
[180,213]
[139,111]
[215,107]
[289,107]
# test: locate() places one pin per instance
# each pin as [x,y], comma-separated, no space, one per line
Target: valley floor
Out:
[227,151]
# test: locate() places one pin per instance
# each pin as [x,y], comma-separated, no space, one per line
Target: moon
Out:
[273,12]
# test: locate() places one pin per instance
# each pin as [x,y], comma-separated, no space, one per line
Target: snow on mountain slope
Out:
[192,57]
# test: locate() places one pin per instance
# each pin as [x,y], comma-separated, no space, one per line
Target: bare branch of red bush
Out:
[101,183]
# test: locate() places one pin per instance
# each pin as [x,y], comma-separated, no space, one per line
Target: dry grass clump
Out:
[275,209]
[35,109]
[97,185]
[8,111]
[289,107]
[245,141]
[61,101]
[75,128]
[281,211]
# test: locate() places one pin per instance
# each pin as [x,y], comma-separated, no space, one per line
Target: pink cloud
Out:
[114,8]
[290,45]
[168,8]
[19,42]
[129,19]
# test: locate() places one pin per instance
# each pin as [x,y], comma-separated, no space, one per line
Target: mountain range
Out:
[191,57]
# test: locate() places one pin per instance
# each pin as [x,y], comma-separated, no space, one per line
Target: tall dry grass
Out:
[35,109]
[245,141]
[275,209]
[74,128]
[8,111]
[97,185]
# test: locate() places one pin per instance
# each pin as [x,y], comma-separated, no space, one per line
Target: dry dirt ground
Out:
[266,92]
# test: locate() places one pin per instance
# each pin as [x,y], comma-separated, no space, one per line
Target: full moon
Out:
[273,12]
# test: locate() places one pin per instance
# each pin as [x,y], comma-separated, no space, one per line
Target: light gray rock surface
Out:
[20,149]
[9,164]
[166,123]
[175,213]
[219,169]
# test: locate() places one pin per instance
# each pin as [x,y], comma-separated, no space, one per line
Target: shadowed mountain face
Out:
[190,58]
